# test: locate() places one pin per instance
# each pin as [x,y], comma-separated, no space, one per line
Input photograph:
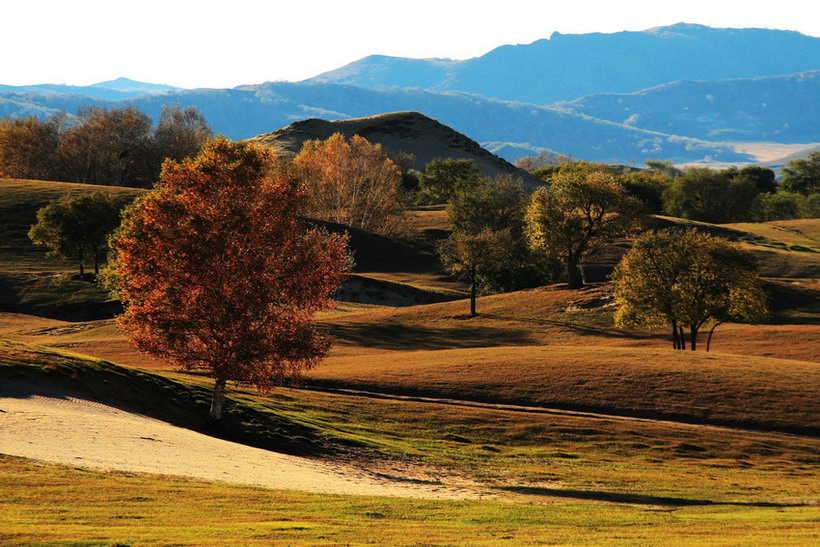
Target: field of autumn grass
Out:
[582,432]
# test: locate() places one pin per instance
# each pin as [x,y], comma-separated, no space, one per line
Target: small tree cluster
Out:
[77,227]
[115,146]
[686,280]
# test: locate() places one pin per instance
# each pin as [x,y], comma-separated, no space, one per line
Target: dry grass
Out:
[690,386]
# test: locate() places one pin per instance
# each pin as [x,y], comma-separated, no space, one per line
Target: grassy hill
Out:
[539,398]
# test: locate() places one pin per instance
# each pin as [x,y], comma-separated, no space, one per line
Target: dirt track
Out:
[82,433]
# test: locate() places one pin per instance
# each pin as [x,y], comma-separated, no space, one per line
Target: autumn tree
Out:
[181,132]
[353,183]
[77,227]
[218,272]
[686,280]
[109,147]
[27,148]
[583,208]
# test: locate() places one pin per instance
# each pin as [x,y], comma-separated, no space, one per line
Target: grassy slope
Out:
[658,481]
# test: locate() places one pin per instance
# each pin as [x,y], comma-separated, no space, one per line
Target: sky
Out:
[227,43]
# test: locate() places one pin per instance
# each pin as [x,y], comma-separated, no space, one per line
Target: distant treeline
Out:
[750,194]
[117,146]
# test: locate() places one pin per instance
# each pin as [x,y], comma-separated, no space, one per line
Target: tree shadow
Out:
[639,499]
[398,336]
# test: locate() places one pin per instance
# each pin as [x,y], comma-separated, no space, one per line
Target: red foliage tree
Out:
[218,273]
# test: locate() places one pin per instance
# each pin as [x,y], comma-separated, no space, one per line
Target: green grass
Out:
[54,505]
[19,202]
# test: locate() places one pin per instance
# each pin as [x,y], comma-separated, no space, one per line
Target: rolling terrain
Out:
[541,418]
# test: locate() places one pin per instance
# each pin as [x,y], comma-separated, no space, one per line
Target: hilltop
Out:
[409,132]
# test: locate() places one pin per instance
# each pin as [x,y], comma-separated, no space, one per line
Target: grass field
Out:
[619,439]
[556,475]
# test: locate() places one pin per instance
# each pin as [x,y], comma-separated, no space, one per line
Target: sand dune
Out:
[84,433]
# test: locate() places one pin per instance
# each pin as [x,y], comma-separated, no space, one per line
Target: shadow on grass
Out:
[589,330]
[161,398]
[640,499]
[397,336]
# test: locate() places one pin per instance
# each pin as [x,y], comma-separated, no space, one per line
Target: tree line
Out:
[117,146]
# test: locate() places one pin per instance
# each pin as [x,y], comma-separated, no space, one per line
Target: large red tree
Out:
[217,272]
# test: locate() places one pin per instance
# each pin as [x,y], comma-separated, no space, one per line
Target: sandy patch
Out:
[83,433]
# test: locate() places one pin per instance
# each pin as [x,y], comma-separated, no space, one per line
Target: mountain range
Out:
[684,93]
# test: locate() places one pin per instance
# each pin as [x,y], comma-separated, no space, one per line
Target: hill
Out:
[254,110]
[547,71]
[776,108]
[409,132]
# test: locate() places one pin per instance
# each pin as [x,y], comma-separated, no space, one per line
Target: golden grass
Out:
[692,386]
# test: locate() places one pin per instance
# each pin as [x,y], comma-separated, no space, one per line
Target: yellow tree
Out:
[584,207]
[687,279]
[352,183]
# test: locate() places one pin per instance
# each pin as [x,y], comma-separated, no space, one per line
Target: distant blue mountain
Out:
[253,110]
[783,109]
[568,66]
[134,88]
[113,90]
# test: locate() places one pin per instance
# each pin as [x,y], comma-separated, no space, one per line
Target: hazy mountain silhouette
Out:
[777,108]
[253,110]
[569,66]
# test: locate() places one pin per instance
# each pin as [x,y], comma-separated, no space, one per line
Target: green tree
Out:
[469,255]
[443,177]
[584,208]
[493,203]
[762,177]
[802,175]
[77,227]
[686,279]
[647,186]
[699,194]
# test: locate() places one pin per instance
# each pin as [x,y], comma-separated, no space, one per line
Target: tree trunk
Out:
[681,338]
[96,262]
[472,294]
[693,342]
[711,332]
[675,339]
[574,278]
[215,417]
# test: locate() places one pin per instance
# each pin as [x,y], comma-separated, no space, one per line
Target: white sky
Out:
[225,43]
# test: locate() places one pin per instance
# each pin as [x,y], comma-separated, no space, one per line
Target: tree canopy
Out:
[353,183]
[77,227]
[217,272]
[442,178]
[686,279]
[584,207]
[803,175]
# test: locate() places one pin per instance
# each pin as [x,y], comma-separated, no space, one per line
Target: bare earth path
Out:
[82,433]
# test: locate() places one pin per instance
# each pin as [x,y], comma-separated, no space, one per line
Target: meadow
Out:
[574,431]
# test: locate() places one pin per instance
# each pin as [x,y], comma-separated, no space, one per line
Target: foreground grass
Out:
[553,455]
[54,505]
